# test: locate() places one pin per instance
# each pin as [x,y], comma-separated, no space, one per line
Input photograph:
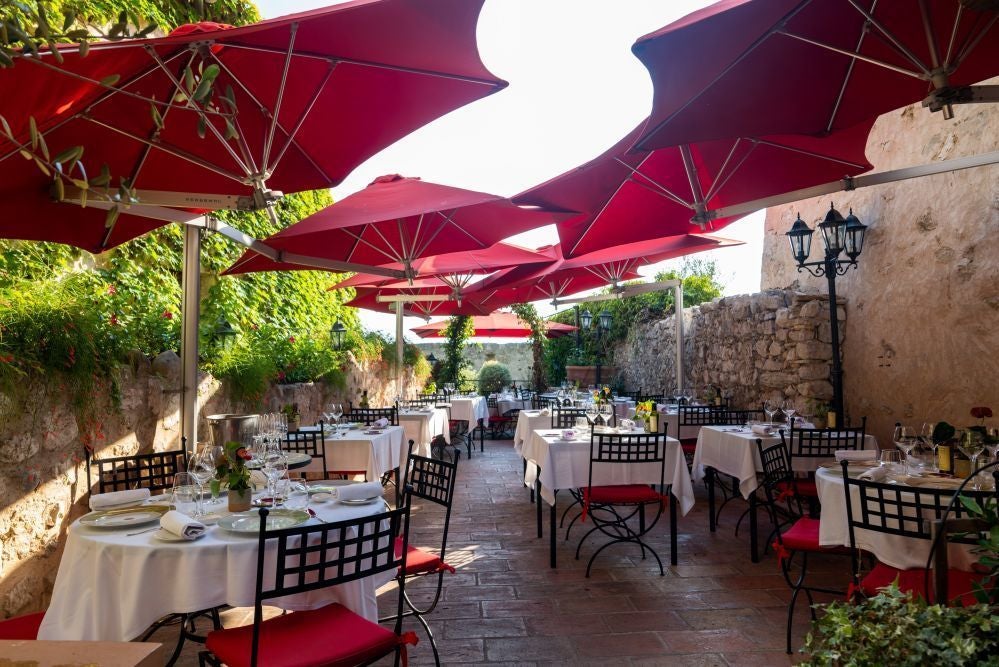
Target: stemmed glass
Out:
[201,469]
[905,440]
[770,407]
[993,444]
[336,410]
[605,413]
[926,437]
[971,445]
[788,409]
[591,412]
[275,467]
[215,456]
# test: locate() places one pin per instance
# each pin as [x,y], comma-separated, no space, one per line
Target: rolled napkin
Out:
[856,455]
[876,474]
[627,424]
[546,412]
[100,501]
[361,491]
[182,525]
[380,423]
[762,429]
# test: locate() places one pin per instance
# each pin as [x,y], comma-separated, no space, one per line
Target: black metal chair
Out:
[603,504]
[501,425]
[566,417]
[423,401]
[818,444]
[368,416]
[539,402]
[434,481]
[312,443]
[912,512]
[633,395]
[310,558]
[803,535]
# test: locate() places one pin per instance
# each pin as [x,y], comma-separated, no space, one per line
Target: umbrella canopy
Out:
[741,68]
[397,221]
[367,297]
[496,325]
[313,95]
[628,196]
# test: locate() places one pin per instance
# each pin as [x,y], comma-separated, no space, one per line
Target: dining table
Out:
[561,464]
[505,403]
[471,409]
[732,450]
[113,583]
[373,451]
[421,425]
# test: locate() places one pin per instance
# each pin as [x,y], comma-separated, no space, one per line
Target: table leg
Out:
[710,476]
[753,536]
[551,529]
[482,436]
[537,493]
[672,527]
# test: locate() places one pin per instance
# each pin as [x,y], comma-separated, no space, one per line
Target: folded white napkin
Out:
[876,474]
[762,429]
[855,455]
[359,491]
[627,424]
[546,412]
[380,423]
[182,525]
[100,501]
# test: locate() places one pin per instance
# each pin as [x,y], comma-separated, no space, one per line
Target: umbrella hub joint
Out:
[261,199]
[702,216]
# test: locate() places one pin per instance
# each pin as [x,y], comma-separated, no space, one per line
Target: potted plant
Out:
[291,411]
[236,476]
[819,411]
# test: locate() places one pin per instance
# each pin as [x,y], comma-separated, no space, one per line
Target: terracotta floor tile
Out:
[706,641]
[617,646]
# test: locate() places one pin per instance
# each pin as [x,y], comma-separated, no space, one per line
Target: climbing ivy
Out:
[459,329]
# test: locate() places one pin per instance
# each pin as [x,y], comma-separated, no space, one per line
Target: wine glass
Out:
[275,467]
[904,439]
[770,407]
[993,443]
[183,490]
[215,456]
[201,469]
[926,437]
[971,445]
[788,409]
[891,460]
[591,412]
[605,413]
[337,412]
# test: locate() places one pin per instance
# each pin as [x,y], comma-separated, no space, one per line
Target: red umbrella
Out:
[628,196]
[496,325]
[741,68]
[367,297]
[396,221]
[315,94]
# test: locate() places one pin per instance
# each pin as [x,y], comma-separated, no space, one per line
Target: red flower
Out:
[167,315]
[243,454]
[291,339]
[280,376]
[981,413]
[112,290]
[114,320]
[255,327]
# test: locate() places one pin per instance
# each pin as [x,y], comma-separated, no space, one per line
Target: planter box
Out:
[587,375]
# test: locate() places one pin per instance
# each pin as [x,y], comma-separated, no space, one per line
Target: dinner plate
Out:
[249,522]
[934,482]
[164,535]
[125,517]
[361,501]
[329,485]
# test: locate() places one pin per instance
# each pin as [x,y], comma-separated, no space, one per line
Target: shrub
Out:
[493,376]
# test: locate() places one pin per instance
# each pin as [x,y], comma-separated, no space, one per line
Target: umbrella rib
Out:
[269,140]
[931,41]
[851,63]
[661,189]
[695,182]
[265,112]
[449,221]
[811,154]
[368,63]
[301,121]
[360,239]
[435,234]
[887,33]
[176,152]
[972,43]
[720,177]
[192,105]
[857,56]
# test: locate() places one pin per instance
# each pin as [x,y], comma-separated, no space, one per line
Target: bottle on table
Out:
[364,403]
[654,419]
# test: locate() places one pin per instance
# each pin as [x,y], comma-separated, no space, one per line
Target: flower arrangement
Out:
[603,395]
[644,408]
[431,388]
[232,468]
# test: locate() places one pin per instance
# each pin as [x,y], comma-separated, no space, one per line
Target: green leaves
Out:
[205,85]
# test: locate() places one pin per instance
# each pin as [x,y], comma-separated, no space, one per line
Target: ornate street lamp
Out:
[839,234]
[337,332]
[431,359]
[224,333]
[603,326]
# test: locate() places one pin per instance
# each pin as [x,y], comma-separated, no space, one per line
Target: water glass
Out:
[296,496]
[184,491]
[891,459]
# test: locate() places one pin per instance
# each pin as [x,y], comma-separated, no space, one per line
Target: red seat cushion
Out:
[913,581]
[21,627]
[801,487]
[419,561]
[688,445]
[330,635]
[622,494]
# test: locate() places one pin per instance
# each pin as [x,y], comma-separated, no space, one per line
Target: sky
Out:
[575,89]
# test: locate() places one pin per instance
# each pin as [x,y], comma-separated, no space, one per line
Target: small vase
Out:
[294,423]
[239,500]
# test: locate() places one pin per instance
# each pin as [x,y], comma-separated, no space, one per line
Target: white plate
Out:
[124,518]
[249,522]
[164,535]
[321,497]
[361,501]
[329,485]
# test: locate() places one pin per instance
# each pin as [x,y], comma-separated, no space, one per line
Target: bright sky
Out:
[575,89]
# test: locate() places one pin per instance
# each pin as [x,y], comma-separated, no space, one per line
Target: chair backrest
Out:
[153,471]
[424,399]
[633,395]
[823,442]
[566,417]
[312,443]
[776,466]
[319,556]
[539,402]
[371,415]
[657,399]
[628,448]
[702,415]
[492,403]
[433,480]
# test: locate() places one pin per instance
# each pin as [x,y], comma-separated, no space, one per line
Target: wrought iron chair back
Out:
[700,415]
[822,442]
[776,464]
[153,471]
[312,443]
[633,395]
[566,417]
[424,400]
[539,402]
[616,448]
[369,416]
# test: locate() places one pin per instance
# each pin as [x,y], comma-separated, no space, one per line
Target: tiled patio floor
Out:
[506,606]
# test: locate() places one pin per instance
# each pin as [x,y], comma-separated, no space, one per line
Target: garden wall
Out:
[774,344]
[518,357]
[42,477]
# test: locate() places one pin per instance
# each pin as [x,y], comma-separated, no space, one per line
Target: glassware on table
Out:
[788,409]
[992,445]
[972,444]
[296,496]
[337,412]
[926,440]
[770,408]
[606,413]
[184,491]
[905,439]
[590,409]
[201,469]
[891,459]
[275,466]
[215,454]
[582,423]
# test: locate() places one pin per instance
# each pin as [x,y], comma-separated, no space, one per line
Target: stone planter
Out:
[294,423]
[239,501]
[587,375]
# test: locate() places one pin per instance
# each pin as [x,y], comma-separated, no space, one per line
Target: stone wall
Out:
[774,344]
[515,356]
[43,479]
[924,300]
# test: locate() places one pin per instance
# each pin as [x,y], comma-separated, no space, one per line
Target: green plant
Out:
[986,590]
[232,469]
[493,376]
[528,314]
[892,628]
[459,330]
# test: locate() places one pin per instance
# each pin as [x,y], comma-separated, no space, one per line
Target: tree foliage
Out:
[459,330]
[528,314]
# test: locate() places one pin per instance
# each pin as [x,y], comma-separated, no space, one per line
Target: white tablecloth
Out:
[565,465]
[529,421]
[895,550]
[422,426]
[672,420]
[111,587]
[470,409]
[509,403]
[375,454]
[732,450]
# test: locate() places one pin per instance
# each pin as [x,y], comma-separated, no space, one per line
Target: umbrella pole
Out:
[190,315]
[399,350]
[678,314]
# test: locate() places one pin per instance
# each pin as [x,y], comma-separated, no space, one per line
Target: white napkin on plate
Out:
[380,423]
[876,474]
[762,429]
[359,491]
[182,525]
[100,501]
[856,455]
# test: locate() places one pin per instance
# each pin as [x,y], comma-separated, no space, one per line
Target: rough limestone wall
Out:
[774,344]
[518,357]
[924,301]
[42,478]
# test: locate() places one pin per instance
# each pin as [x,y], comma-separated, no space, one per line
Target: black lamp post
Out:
[224,333]
[431,359]
[337,332]
[839,235]
[603,326]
